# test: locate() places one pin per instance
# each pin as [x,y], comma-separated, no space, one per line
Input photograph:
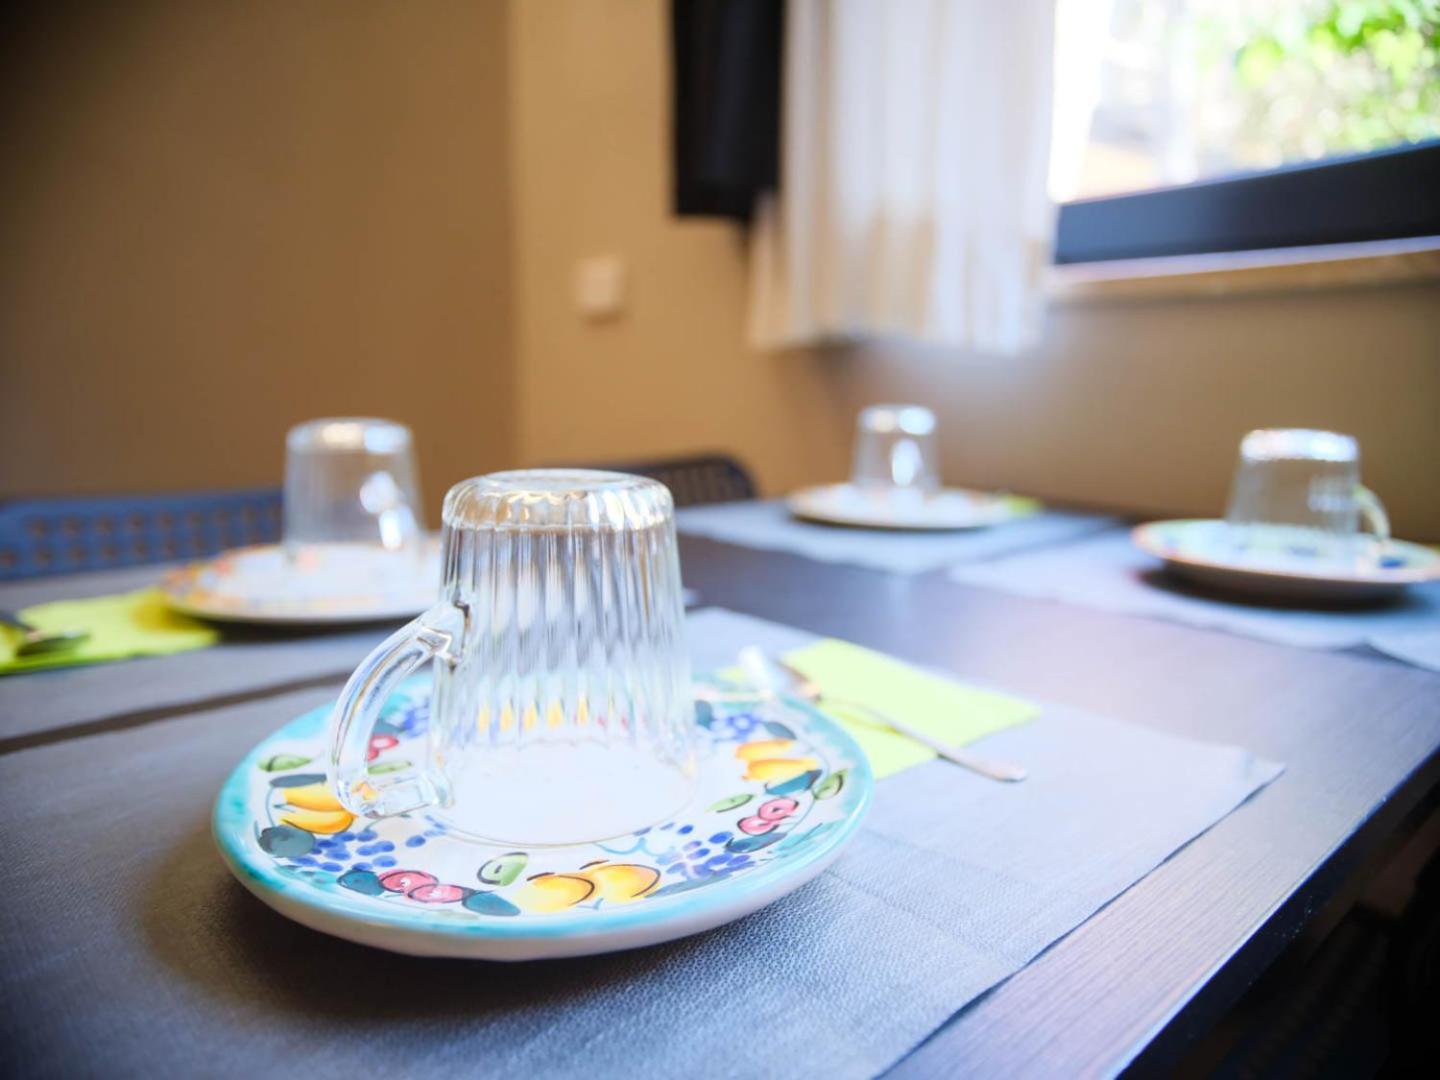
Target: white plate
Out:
[327,583]
[1284,561]
[952,508]
[781,790]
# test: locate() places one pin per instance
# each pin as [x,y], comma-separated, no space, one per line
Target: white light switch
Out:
[600,286]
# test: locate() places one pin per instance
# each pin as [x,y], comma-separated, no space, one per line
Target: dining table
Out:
[191,965]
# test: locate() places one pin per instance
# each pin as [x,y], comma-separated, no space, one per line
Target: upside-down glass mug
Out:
[1309,482]
[351,480]
[562,709]
[896,451]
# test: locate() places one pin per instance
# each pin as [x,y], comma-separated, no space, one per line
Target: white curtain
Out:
[913,178]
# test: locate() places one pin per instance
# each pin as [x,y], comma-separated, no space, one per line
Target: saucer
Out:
[1284,561]
[326,583]
[951,508]
[781,789]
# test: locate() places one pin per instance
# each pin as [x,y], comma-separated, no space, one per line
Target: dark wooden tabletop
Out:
[1136,984]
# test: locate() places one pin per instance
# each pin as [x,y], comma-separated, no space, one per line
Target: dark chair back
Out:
[694,481]
[63,535]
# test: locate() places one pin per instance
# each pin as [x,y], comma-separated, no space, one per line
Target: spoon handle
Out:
[9,618]
[995,770]
[752,659]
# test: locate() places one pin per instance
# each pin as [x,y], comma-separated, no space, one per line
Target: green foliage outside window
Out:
[1337,77]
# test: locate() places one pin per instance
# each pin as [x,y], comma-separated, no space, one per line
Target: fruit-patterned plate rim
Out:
[424,930]
[1189,542]
[189,590]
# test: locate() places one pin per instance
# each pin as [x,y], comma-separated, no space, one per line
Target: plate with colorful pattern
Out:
[1286,561]
[781,789]
[908,511]
[323,584]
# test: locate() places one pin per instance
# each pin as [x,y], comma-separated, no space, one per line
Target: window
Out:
[1189,126]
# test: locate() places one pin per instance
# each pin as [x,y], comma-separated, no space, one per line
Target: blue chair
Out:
[63,535]
[694,481]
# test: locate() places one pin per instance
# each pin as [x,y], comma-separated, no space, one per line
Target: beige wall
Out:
[1141,405]
[1138,405]
[221,218]
[228,217]
[589,127]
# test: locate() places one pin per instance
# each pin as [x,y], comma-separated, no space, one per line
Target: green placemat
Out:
[855,680]
[950,711]
[121,626]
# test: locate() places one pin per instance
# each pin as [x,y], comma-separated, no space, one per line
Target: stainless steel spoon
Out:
[774,675]
[36,641]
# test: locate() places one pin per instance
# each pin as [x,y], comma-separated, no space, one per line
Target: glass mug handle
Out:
[1373,511]
[432,636]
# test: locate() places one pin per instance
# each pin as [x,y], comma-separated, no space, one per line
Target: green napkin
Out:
[950,711]
[1022,505]
[124,625]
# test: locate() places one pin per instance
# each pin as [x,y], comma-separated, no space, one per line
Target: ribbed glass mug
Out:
[562,710]
[351,480]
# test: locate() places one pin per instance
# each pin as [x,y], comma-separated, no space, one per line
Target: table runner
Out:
[1109,573]
[767,524]
[42,702]
[118,910]
[249,660]
[115,626]
[1421,648]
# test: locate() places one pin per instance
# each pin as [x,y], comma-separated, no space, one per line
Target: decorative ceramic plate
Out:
[1285,561]
[952,508]
[781,790]
[326,583]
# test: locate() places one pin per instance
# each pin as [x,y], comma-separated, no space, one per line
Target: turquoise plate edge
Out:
[229,823]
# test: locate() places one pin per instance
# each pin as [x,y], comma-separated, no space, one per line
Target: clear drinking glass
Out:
[351,480]
[1308,481]
[562,709]
[896,449]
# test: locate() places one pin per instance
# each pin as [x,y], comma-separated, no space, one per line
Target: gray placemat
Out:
[1110,574]
[127,943]
[1420,648]
[768,525]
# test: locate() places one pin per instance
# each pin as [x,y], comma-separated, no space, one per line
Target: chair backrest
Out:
[63,535]
[694,481]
